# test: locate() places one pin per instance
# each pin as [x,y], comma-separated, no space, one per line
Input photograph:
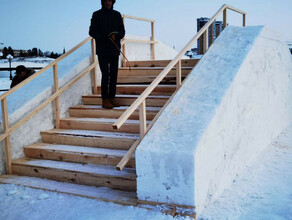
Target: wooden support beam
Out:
[7,139]
[152,40]
[142,117]
[93,60]
[244,20]
[224,18]
[178,74]
[57,103]
[205,41]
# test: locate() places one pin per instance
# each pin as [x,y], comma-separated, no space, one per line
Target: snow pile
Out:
[231,107]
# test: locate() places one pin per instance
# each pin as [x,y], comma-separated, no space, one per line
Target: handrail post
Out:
[243,20]
[142,117]
[124,46]
[205,41]
[7,139]
[152,41]
[224,18]
[93,55]
[56,88]
[178,74]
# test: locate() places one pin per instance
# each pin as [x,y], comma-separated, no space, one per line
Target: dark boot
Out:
[107,104]
[112,101]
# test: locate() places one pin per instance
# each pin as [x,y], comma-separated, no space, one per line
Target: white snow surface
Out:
[235,102]
[17,202]
[262,192]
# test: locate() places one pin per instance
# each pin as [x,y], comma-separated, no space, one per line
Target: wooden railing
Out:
[140,101]
[152,42]
[7,130]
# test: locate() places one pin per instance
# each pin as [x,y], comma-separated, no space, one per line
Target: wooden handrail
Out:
[138,18]
[152,41]
[44,104]
[18,86]
[54,97]
[157,80]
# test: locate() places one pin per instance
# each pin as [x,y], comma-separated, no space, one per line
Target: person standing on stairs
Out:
[107,28]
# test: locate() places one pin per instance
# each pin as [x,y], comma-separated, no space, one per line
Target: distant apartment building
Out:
[213,32]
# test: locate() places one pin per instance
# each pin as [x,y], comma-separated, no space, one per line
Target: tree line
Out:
[29,53]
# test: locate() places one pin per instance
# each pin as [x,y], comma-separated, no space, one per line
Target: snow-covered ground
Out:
[262,192]
[28,62]
[17,202]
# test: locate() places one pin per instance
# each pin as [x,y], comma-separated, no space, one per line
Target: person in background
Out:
[107,29]
[21,74]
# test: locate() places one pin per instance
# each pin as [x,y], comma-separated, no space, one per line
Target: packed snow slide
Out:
[235,102]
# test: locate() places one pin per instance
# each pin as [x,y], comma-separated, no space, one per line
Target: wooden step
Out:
[99,124]
[146,79]
[99,139]
[126,100]
[151,71]
[85,174]
[132,89]
[162,63]
[100,193]
[77,154]
[96,111]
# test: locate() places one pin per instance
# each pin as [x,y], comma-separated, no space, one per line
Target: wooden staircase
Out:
[86,148]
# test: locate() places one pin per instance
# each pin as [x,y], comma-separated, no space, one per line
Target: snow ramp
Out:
[235,102]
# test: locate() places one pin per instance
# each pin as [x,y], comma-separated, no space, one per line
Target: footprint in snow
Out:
[44,196]
[25,197]
[11,192]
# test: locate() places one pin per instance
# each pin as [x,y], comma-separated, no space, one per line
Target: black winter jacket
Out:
[104,22]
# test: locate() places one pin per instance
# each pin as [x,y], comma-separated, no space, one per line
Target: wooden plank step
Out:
[99,139]
[162,63]
[99,124]
[77,154]
[153,101]
[151,71]
[132,89]
[146,79]
[85,174]
[100,193]
[96,111]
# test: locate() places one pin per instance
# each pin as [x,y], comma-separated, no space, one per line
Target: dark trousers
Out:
[109,69]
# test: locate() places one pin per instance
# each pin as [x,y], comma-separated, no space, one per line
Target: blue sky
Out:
[57,24]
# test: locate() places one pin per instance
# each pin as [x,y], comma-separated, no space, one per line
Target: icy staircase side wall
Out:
[232,106]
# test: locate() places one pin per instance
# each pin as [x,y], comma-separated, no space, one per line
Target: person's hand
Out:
[113,35]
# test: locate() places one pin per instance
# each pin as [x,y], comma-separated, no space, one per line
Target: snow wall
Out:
[234,103]
[142,51]
[26,99]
